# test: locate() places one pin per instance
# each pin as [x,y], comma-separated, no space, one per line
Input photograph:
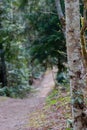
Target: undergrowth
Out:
[15,92]
[54,114]
[59,103]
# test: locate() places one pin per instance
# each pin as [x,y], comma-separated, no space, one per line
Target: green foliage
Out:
[61,77]
[46,35]
[63,80]
[15,92]
[31,38]
[23,3]
[69,129]
[52,98]
[78,98]
[15,53]
[50,42]
[69,124]
[55,98]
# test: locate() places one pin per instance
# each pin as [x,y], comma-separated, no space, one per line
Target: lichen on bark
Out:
[75,62]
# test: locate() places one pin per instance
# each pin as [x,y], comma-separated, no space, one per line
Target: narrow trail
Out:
[14,113]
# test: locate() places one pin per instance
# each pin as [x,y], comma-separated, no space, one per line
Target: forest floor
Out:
[38,111]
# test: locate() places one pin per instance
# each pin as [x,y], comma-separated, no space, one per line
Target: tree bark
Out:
[3,76]
[60,15]
[75,63]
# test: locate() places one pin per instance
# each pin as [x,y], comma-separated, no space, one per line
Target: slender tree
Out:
[74,62]
[60,15]
[3,77]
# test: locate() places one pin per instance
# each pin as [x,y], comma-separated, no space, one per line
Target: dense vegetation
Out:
[31,40]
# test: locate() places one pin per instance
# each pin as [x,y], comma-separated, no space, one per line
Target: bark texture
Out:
[3,76]
[75,63]
[60,15]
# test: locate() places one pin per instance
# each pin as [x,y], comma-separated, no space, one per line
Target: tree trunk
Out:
[60,15]
[3,77]
[75,63]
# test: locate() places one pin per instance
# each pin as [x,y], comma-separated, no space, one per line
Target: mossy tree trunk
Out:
[75,63]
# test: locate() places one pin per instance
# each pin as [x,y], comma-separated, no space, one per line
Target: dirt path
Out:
[14,113]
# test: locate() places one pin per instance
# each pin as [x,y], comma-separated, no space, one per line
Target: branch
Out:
[59,9]
[60,15]
[83,39]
